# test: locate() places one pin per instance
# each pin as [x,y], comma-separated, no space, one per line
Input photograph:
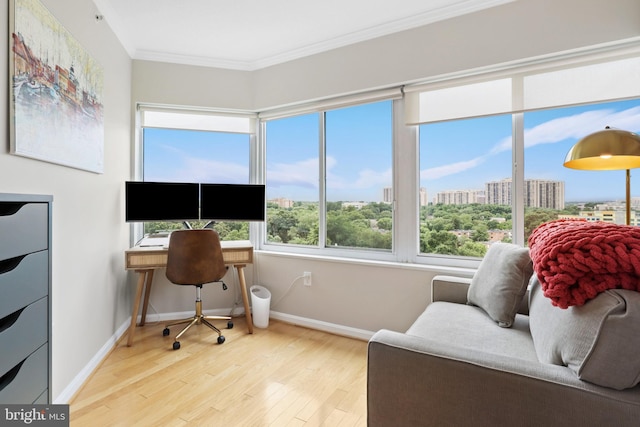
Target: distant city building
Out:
[387,194]
[617,216]
[282,202]
[537,193]
[499,235]
[424,201]
[498,192]
[544,194]
[494,235]
[357,205]
[460,197]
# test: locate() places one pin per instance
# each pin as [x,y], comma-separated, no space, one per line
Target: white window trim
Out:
[405,149]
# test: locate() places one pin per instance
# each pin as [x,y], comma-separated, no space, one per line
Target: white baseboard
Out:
[72,388]
[77,382]
[320,325]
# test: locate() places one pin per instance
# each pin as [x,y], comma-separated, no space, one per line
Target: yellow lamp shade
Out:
[609,149]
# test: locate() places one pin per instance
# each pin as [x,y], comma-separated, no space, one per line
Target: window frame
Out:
[517,73]
[242,122]
[321,109]
[405,152]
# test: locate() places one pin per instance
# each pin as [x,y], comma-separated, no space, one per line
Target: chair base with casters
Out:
[197,319]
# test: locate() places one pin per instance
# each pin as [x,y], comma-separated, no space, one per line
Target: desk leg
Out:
[136,305]
[147,292]
[245,298]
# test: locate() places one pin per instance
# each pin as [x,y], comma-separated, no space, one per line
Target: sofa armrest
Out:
[450,289]
[454,289]
[415,381]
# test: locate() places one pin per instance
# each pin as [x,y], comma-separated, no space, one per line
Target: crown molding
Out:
[458,8]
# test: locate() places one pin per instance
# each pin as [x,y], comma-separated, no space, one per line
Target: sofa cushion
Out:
[465,326]
[500,282]
[599,341]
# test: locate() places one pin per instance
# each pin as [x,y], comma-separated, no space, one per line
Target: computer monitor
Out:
[232,202]
[161,201]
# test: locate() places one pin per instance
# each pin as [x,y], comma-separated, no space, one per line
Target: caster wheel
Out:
[220,339]
[176,345]
[165,332]
[229,324]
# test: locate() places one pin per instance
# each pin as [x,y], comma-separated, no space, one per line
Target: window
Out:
[335,199]
[292,180]
[188,147]
[557,192]
[358,170]
[491,153]
[466,171]
[465,183]
[434,173]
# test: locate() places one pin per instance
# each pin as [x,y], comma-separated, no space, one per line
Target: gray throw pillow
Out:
[501,281]
[599,341]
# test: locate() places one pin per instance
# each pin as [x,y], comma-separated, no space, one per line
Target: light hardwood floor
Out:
[284,375]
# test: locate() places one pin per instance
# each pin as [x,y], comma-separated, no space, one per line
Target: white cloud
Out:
[450,169]
[200,170]
[194,169]
[369,178]
[550,132]
[302,174]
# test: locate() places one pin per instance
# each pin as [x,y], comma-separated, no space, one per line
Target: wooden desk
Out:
[144,260]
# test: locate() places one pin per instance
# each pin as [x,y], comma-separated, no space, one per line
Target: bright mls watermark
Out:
[38,415]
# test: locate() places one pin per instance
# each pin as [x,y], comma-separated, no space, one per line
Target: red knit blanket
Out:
[576,260]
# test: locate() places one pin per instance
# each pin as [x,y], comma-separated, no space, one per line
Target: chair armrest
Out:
[415,381]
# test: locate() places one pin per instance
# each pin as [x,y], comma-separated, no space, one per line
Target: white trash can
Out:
[260,302]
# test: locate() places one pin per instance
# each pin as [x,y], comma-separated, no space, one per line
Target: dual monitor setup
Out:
[181,201]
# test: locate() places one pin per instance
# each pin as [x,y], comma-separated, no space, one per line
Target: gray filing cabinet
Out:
[25,301]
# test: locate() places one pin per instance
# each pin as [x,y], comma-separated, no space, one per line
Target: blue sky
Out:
[464,154]
[461,154]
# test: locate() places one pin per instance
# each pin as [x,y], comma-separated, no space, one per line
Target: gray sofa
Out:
[456,367]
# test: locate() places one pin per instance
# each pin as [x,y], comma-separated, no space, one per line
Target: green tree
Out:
[480,233]
[385,223]
[470,248]
[440,242]
[280,223]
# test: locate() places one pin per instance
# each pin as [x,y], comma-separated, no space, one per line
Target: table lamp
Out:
[608,149]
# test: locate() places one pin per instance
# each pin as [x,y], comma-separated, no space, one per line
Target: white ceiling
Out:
[253,34]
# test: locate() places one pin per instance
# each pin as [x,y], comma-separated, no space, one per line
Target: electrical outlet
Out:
[307,278]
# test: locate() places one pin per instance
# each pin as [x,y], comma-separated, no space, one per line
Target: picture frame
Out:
[56,109]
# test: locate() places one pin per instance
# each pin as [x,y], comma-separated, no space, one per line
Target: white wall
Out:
[514,31]
[90,296]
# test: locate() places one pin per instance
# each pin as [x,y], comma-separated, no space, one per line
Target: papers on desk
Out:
[150,241]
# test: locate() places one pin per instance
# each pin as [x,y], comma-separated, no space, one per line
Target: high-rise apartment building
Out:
[387,194]
[460,197]
[537,193]
[423,197]
[498,192]
[544,194]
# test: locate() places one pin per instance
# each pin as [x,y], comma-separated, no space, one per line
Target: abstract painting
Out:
[56,110]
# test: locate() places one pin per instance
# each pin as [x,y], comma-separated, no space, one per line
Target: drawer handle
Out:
[9,264]
[10,208]
[6,379]
[7,321]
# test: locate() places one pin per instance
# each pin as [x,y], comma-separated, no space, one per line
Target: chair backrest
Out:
[195,257]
